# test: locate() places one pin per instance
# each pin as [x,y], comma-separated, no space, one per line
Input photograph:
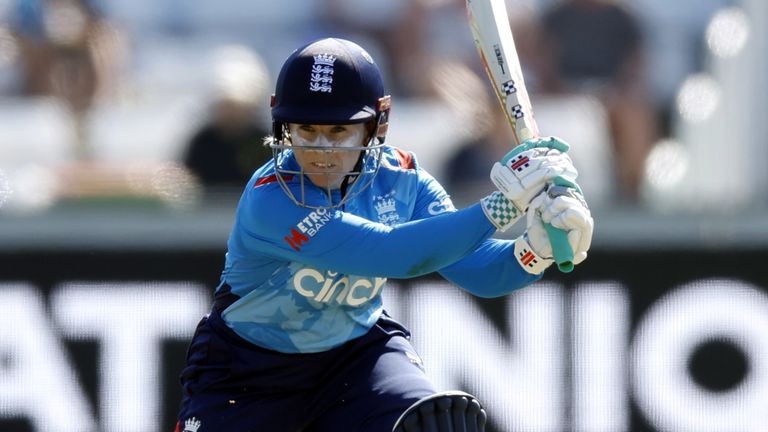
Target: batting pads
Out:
[452,411]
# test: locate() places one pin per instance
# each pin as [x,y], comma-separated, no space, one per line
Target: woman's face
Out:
[327,162]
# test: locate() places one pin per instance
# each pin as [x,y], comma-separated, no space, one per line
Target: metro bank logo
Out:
[307,228]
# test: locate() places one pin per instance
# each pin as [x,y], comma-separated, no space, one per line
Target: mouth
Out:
[323,165]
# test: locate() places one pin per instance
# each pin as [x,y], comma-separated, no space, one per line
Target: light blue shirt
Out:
[308,280]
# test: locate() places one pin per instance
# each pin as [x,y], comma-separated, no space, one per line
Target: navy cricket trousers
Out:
[363,385]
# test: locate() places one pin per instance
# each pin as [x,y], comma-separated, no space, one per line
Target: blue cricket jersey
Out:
[299,279]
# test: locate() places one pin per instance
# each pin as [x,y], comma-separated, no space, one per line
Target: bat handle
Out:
[561,248]
[558,238]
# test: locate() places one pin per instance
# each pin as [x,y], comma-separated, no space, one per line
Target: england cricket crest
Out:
[386,208]
[321,77]
[192,425]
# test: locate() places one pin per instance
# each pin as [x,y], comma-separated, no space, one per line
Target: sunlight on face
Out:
[327,153]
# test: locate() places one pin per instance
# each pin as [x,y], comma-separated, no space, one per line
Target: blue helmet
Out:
[327,82]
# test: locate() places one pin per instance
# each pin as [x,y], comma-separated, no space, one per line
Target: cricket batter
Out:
[298,338]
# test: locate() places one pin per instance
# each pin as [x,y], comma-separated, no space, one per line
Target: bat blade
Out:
[492,34]
[493,38]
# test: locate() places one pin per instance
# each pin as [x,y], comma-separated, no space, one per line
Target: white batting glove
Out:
[525,171]
[565,209]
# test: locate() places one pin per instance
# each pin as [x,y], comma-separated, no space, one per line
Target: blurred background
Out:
[128,129]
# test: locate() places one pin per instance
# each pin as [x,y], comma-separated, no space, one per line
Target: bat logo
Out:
[527,258]
[499,57]
[520,163]
[517,110]
[509,87]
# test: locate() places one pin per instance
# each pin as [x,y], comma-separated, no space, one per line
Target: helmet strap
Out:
[383,106]
[277,126]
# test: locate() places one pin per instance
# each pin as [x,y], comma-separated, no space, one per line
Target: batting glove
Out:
[527,169]
[565,209]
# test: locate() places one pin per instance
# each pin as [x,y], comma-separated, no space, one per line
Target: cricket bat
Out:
[492,34]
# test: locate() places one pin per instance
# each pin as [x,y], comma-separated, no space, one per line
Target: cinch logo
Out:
[346,290]
[307,228]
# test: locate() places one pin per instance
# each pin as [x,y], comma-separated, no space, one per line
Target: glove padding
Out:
[565,209]
[525,171]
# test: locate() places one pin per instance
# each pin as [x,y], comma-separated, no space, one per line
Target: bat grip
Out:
[561,249]
[558,238]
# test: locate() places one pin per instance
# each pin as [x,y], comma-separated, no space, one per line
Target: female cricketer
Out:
[298,338]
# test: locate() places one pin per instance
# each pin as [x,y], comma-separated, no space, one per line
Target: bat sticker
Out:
[518,111]
[509,87]
[499,57]
[520,163]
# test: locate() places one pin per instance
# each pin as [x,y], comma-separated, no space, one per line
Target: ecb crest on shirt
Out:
[386,209]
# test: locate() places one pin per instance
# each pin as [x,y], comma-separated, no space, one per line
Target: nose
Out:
[323,141]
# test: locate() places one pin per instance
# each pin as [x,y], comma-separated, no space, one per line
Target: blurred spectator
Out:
[448,36]
[67,50]
[483,132]
[414,38]
[467,170]
[227,148]
[484,135]
[595,47]
[394,29]
[675,46]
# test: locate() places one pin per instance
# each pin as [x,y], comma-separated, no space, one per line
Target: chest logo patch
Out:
[386,208]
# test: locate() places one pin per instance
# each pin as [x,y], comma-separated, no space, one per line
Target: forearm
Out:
[489,271]
[405,251]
